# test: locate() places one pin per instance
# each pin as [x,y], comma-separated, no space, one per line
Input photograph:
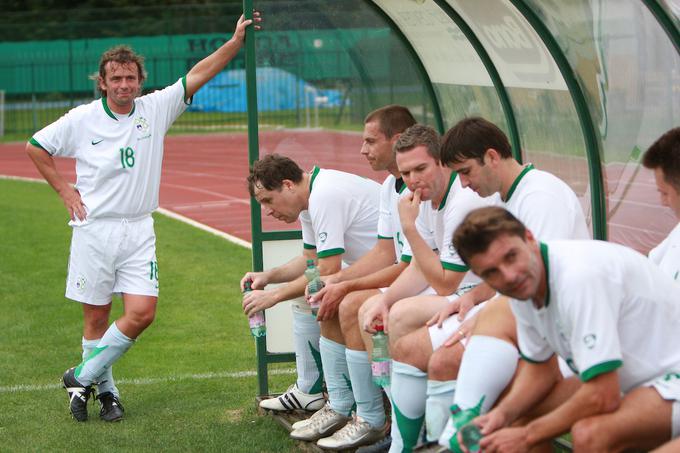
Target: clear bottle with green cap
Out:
[381,362]
[314,286]
[256,321]
[469,432]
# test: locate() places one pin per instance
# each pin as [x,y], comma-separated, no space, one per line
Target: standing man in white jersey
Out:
[663,157]
[117,142]
[339,216]
[439,203]
[609,312]
[481,154]
[348,290]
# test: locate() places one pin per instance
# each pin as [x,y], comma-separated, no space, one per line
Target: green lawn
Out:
[179,383]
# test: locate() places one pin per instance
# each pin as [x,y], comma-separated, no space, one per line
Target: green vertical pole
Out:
[253,155]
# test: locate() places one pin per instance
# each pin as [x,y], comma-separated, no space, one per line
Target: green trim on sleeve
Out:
[454,267]
[406,258]
[600,368]
[330,252]
[184,98]
[385,237]
[308,246]
[34,142]
[527,359]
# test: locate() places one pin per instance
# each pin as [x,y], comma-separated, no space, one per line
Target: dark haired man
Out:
[118,146]
[339,216]
[607,311]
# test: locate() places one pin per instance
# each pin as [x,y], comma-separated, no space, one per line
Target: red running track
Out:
[204,179]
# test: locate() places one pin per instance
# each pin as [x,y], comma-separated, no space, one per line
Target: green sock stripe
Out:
[95,352]
[316,355]
[409,428]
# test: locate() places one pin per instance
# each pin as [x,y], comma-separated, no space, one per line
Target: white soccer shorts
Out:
[112,256]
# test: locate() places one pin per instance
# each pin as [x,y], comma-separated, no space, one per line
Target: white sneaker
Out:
[323,423]
[294,399]
[302,423]
[354,434]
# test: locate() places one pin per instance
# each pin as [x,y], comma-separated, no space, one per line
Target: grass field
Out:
[187,384]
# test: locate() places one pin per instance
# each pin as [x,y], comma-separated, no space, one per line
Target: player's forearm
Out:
[381,279]
[481,293]
[409,283]
[291,290]
[211,65]
[287,272]
[373,261]
[47,168]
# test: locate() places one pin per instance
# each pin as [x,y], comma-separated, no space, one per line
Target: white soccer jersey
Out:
[118,157]
[437,224]
[546,205]
[389,226]
[667,254]
[607,307]
[342,215]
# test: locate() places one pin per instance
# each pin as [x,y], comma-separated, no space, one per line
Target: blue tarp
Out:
[276,90]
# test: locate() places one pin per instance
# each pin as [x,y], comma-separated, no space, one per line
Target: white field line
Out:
[167,213]
[151,381]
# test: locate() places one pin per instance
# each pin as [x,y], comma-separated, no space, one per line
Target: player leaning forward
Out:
[607,310]
[117,142]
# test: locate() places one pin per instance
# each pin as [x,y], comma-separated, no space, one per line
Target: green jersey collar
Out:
[110,113]
[517,180]
[448,190]
[315,172]
[544,256]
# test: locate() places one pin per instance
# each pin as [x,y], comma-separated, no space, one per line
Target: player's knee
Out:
[143,319]
[588,435]
[401,350]
[349,310]
[444,364]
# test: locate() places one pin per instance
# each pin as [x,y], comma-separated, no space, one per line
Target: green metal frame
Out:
[590,133]
[667,20]
[421,68]
[264,358]
[490,67]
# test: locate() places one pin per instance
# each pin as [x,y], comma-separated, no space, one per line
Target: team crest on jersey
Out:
[322,237]
[142,125]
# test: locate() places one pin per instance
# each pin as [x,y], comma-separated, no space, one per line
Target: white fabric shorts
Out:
[438,335]
[112,256]
[668,387]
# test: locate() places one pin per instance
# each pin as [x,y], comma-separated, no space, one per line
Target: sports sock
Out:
[487,368]
[110,348]
[367,395]
[306,333]
[409,385]
[337,377]
[106,382]
[438,407]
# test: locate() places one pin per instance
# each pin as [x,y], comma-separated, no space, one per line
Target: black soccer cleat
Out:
[111,408]
[78,395]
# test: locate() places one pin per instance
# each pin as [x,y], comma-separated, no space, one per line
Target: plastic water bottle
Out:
[256,321]
[381,361]
[462,422]
[314,286]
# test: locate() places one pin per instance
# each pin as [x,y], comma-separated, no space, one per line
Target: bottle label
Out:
[256,320]
[381,367]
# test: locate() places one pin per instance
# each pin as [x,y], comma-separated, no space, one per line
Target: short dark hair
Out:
[419,135]
[470,138]
[665,154]
[122,55]
[481,227]
[271,171]
[392,119]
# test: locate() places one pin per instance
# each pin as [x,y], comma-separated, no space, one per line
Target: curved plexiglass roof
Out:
[582,87]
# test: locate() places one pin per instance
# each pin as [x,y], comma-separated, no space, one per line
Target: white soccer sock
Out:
[487,368]
[306,333]
[367,395]
[106,382]
[409,386]
[438,407]
[110,348]
[335,372]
